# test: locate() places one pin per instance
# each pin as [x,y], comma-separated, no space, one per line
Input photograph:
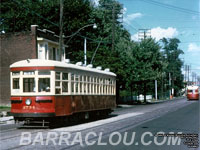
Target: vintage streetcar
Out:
[193,92]
[45,90]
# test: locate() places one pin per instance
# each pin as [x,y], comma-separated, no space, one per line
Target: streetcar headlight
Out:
[28,101]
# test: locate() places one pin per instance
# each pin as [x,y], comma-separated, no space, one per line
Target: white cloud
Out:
[159,33]
[131,17]
[193,47]
[95,2]
[124,10]
[134,37]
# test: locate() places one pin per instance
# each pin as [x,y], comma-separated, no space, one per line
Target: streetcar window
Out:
[81,78]
[44,73]
[16,73]
[44,84]
[65,86]
[92,86]
[76,86]
[28,85]
[28,73]
[72,87]
[76,77]
[85,78]
[85,88]
[95,91]
[72,77]
[58,91]
[81,90]
[57,75]
[65,76]
[16,83]
[88,85]
[57,83]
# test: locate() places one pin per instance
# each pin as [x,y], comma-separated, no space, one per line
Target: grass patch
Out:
[4,108]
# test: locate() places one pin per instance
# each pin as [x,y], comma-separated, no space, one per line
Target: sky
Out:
[170,19]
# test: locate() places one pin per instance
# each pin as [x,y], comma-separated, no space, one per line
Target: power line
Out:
[131,26]
[188,42]
[172,7]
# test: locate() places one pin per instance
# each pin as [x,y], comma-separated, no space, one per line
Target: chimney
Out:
[34,29]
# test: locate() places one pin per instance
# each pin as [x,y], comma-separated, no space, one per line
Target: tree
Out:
[172,53]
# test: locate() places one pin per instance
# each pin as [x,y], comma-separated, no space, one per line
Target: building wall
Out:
[14,47]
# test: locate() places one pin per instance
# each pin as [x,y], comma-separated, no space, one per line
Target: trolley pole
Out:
[61,51]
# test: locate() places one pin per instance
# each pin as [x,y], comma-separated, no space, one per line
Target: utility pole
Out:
[144,33]
[156,90]
[170,84]
[185,73]
[188,75]
[61,50]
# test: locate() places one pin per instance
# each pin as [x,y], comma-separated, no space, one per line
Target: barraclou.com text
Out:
[92,138]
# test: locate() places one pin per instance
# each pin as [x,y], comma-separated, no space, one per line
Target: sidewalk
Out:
[4,117]
[160,101]
[148,101]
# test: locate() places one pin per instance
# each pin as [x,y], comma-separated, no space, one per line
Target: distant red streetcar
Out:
[43,90]
[193,93]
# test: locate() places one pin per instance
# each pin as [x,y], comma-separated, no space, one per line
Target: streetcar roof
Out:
[192,87]
[52,63]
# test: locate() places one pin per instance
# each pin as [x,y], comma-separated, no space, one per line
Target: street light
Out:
[85,40]
[72,35]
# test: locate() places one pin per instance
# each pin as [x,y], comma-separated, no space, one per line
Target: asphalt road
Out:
[132,127]
[184,121]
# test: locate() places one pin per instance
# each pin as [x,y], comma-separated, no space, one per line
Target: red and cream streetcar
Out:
[193,92]
[46,89]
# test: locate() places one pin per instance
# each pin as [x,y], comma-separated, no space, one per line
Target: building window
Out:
[40,51]
[54,53]
[46,52]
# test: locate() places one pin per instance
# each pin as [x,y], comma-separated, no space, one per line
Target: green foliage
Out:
[174,63]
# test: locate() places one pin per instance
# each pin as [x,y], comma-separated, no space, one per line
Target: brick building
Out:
[34,44]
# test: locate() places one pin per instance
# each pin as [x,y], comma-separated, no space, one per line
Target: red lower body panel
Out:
[49,106]
[193,96]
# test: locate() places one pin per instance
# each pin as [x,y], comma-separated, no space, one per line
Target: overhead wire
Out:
[172,7]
